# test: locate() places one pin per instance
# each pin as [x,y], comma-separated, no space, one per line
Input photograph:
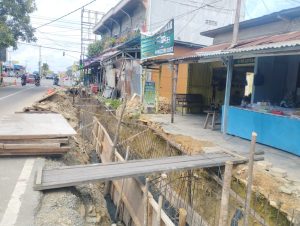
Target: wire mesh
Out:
[194,190]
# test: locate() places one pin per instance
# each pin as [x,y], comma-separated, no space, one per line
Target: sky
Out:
[65,33]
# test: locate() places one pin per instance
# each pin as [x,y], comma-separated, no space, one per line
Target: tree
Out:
[95,48]
[45,68]
[15,22]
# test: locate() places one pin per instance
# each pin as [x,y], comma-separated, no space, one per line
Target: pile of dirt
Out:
[271,188]
[61,104]
[84,204]
[187,144]
[132,109]
[164,105]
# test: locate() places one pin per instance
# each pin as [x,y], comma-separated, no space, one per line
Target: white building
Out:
[191,17]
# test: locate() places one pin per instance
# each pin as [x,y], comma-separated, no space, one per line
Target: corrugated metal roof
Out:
[269,18]
[282,41]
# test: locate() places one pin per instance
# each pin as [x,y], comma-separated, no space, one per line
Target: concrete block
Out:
[265,165]
[286,190]
[277,172]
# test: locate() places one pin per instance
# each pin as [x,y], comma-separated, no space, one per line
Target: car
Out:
[49,76]
[30,79]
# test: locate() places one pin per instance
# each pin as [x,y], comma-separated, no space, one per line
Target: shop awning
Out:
[275,44]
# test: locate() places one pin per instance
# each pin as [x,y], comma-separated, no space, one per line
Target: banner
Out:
[149,94]
[158,43]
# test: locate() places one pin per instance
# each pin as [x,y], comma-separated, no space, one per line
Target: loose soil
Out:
[83,205]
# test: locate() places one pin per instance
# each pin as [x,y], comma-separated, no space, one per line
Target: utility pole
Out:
[40,60]
[236,23]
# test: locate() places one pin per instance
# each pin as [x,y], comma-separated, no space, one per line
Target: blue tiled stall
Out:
[282,132]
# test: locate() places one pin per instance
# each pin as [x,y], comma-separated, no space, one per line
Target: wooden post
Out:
[160,200]
[146,202]
[253,86]
[227,93]
[182,217]
[158,90]
[174,86]
[144,74]
[225,194]
[113,149]
[122,186]
[250,179]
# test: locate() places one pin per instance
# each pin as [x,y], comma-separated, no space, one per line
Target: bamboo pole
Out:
[146,202]
[225,194]
[158,90]
[160,200]
[122,186]
[250,179]
[182,217]
[113,148]
[174,86]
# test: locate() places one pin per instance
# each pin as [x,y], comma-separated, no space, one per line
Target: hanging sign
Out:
[158,43]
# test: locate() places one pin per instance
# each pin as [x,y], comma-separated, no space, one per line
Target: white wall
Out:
[188,25]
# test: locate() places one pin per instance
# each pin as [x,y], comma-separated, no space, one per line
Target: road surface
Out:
[17,199]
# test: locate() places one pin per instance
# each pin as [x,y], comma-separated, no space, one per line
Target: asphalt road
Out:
[18,201]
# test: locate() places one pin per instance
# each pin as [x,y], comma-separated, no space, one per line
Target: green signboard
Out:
[149,94]
[159,43]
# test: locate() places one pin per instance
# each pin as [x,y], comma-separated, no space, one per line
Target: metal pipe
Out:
[128,15]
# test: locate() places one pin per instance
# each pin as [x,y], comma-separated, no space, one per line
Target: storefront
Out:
[274,110]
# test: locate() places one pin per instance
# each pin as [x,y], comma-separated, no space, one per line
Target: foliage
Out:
[15,22]
[95,48]
[113,103]
[45,68]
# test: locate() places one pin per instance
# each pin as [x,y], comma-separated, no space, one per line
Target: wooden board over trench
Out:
[34,126]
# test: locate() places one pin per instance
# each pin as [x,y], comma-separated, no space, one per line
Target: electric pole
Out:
[236,23]
[40,60]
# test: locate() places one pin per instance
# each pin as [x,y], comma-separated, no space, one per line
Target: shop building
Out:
[257,81]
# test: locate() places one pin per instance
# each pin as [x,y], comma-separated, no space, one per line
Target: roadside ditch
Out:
[86,205]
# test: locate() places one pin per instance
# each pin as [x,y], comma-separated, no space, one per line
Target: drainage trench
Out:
[195,189]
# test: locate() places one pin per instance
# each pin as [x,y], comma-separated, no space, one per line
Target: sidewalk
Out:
[192,125]
[277,178]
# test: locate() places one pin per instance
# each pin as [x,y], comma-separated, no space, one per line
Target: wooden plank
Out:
[39,176]
[30,146]
[63,140]
[31,126]
[5,154]
[104,172]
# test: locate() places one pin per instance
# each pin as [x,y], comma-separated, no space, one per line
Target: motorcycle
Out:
[55,81]
[37,81]
[23,80]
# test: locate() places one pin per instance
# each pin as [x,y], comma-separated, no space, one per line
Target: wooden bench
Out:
[189,101]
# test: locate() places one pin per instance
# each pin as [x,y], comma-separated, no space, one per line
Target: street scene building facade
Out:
[174,113]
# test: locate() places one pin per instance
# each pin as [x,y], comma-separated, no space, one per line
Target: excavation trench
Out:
[197,189]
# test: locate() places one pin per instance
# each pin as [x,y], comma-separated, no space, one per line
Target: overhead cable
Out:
[52,21]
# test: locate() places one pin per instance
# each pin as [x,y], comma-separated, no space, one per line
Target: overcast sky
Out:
[65,34]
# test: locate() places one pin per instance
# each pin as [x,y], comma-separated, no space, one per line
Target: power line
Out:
[52,21]
[265,5]
[48,47]
[180,15]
